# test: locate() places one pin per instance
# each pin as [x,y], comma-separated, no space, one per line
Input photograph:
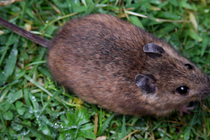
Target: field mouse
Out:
[120,67]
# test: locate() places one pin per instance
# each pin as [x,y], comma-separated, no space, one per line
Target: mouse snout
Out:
[207,79]
[205,92]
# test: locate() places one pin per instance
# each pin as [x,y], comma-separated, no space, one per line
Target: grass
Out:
[34,106]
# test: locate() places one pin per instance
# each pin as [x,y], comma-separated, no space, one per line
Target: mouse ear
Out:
[153,50]
[145,83]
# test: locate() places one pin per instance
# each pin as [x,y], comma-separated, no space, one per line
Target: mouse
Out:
[121,67]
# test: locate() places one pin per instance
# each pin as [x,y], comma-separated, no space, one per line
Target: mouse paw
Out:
[185,109]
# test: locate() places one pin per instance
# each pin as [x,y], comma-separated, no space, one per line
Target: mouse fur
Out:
[123,68]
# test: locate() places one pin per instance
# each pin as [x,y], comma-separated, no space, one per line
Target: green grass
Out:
[34,106]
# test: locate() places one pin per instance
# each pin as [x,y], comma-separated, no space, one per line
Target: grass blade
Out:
[104,125]
[10,65]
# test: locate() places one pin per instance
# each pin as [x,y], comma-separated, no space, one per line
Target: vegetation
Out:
[34,106]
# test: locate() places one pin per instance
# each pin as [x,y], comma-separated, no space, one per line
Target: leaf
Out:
[87,127]
[123,129]
[194,35]
[27,115]
[84,2]
[48,102]
[63,118]
[71,118]
[204,45]
[45,72]
[67,133]
[151,17]
[184,4]
[80,9]
[168,28]
[18,104]
[12,39]
[78,103]
[5,107]
[8,116]
[80,138]
[87,131]
[10,64]
[135,119]
[12,97]
[138,4]
[16,127]
[90,7]
[104,125]
[36,132]
[21,111]
[37,84]
[30,13]
[193,20]
[50,29]
[26,97]
[86,134]
[61,137]
[170,15]
[81,116]
[20,74]
[45,130]
[74,124]
[135,20]
[174,2]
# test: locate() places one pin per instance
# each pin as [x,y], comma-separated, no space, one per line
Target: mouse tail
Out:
[35,38]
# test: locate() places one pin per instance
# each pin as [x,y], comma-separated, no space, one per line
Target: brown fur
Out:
[98,57]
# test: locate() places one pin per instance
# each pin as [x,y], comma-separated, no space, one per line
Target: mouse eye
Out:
[189,66]
[182,90]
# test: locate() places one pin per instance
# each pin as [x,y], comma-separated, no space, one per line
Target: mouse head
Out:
[167,82]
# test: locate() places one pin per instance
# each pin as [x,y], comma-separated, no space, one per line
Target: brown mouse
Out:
[120,67]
